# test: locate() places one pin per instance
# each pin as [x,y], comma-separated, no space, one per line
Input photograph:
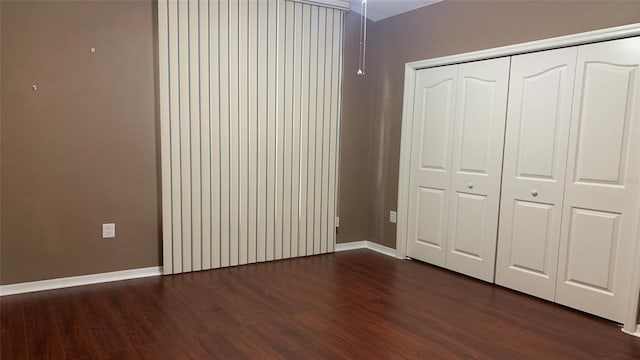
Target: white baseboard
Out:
[66,282]
[637,333]
[364,244]
[381,249]
[351,245]
[60,283]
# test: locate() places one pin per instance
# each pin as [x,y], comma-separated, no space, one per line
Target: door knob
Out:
[470,185]
[534,192]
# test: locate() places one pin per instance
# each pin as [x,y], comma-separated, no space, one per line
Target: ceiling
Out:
[381,9]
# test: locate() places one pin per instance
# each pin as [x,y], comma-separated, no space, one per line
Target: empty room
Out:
[319,179]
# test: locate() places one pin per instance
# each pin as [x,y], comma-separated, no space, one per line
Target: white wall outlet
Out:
[393,217]
[108,231]
[337,221]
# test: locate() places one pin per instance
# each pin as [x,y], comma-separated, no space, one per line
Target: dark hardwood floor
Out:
[355,305]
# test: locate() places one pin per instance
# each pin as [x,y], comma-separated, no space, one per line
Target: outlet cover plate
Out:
[108,231]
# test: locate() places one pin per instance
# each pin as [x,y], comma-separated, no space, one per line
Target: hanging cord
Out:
[363,36]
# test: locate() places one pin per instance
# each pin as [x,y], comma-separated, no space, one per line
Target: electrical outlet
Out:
[337,221]
[393,217]
[108,231]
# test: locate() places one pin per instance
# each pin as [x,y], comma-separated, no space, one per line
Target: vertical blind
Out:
[249,111]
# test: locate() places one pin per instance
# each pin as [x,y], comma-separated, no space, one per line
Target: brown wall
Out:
[0,141]
[354,139]
[446,28]
[81,150]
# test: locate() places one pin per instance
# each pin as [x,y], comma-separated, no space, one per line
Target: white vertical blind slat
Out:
[304,96]
[224,106]
[326,127]
[252,137]
[205,132]
[335,146]
[165,140]
[234,121]
[284,100]
[243,129]
[215,137]
[175,159]
[319,242]
[272,164]
[311,129]
[263,140]
[283,220]
[195,128]
[184,127]
[296,75]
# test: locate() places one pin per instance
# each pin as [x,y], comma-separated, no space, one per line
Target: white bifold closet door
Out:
[602,193]
[478,141]
[456,161]
[430,178]
[249,118]
[537,136]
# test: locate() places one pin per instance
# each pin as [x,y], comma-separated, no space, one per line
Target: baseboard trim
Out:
[351,245]
[381,249]
[60,283]
[636,333]
[66,282]
[365,244]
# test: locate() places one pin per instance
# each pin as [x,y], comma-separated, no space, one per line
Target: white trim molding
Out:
[613,33]
[365,244]
[351,245]
[633,333]
[81,280]
[619,32]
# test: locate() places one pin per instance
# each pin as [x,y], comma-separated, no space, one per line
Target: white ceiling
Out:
[381,9]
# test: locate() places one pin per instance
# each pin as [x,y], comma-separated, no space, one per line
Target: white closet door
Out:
[535,156]
[600,212]
[430,163]
[481,102]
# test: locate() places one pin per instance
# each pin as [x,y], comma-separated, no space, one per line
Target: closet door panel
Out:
[430,163]
[477,163]
[537,136]
[601,207]
[470,217]
[430,217]
[532,224]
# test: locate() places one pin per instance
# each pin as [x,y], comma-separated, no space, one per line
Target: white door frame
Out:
[618,32]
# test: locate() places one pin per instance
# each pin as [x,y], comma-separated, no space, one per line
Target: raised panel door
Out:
[536,141]
[477,167]
[429,182]
[602,192]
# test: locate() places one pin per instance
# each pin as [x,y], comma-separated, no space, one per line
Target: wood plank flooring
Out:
[352,305]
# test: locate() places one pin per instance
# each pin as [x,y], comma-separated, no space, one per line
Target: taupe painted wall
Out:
[83,149]
[0,140]
[353,186]
[447,28]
